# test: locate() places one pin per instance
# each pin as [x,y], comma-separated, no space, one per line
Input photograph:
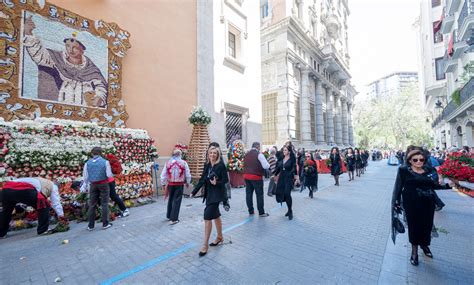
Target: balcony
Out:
[466,20]
[450,64]
[452,6]
[447,25]
[459,46]
[466,95]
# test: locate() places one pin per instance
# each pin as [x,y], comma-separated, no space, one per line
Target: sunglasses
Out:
[416,160]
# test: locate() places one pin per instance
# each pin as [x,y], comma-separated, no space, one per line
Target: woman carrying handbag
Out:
[215,177]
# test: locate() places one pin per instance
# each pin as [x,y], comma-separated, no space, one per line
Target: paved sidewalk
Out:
[339,237]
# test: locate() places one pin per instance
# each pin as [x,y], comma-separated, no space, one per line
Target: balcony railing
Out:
[466,93]
[467,10]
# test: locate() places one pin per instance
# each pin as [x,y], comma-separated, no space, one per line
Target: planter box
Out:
[236,179]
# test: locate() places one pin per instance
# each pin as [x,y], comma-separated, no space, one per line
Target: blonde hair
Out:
[219,154]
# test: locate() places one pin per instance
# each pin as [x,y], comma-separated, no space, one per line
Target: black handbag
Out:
[398,225]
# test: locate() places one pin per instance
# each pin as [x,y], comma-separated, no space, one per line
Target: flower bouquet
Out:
[199,116]
[235,156]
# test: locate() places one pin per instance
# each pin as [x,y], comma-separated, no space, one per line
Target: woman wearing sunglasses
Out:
[414,190]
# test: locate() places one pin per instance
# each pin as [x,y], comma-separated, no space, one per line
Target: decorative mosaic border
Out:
[12,106]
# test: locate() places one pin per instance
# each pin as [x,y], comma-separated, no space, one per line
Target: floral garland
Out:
[235,156]
[458,166]
[199,116]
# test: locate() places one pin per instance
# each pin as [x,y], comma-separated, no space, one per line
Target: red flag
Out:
[451,45]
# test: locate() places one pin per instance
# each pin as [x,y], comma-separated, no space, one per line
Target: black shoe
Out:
[311,194]
[202,253]
[217,242]
[290,216]
[427,251]
[251,213]
[414,260]
[287,213]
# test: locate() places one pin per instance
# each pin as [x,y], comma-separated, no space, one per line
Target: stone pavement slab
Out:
[339,237]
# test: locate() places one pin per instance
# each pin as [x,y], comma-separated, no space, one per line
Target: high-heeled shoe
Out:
[202,253]
[217,242]
[427,251]
[414,260]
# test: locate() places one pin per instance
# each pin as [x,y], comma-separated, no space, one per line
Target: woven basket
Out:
[197,150]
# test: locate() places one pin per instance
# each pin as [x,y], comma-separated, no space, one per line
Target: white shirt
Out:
[55,199]
[85,176]
[262,159]
[164,173]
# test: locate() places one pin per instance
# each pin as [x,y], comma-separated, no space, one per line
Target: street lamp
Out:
[438,107]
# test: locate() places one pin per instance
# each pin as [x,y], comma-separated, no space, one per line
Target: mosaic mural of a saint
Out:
[61,64]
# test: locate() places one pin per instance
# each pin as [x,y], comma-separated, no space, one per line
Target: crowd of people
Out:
[288,169]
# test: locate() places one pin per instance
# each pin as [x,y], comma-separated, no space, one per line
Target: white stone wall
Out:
[236,82]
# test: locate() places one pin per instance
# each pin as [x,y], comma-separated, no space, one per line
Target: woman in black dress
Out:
[364,154]
[414,190]
[215,177]
[310,174]
[286,173]
[336,168]
[358,161]
[350,161]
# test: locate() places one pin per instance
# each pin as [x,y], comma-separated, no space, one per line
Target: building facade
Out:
[306,92]
[392,85]
[229,68]
[446,44]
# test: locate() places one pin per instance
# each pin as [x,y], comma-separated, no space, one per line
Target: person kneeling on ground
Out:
[34,192]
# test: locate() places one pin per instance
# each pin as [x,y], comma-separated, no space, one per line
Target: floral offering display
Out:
[235,156]
[459,167]
[57,149]
[199,116]
[184,150]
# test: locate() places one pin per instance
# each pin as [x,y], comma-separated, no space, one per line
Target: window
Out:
[264,9]
[232,51]
[233,127]
[435,3]
[437,35]
[439,64]
[269,119]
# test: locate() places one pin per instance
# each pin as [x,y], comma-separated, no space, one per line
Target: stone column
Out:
[345,126]
[349,123]
[305,120]
[329,116]
[337,118]
[319,113]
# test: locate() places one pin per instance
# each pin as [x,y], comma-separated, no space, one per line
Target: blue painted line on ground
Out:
[171,254]
[149,264]
[177,252]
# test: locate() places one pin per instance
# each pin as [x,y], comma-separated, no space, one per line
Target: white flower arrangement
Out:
[199,116]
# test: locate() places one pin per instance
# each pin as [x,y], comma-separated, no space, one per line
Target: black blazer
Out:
[213,193]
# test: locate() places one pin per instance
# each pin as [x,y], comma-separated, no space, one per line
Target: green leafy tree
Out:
[392,122]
